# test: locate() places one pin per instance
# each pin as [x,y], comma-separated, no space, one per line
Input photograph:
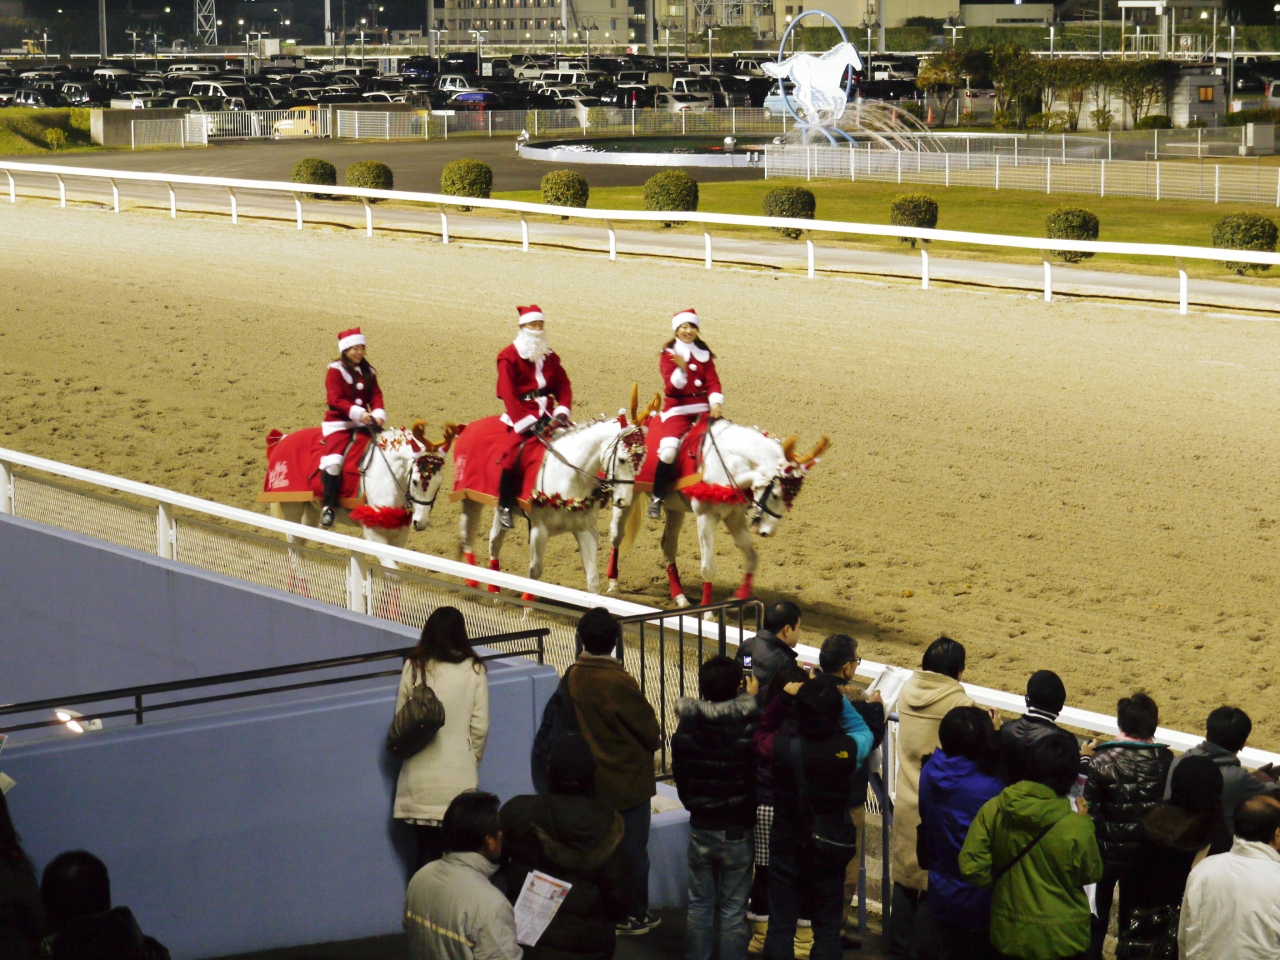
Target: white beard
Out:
[532,345]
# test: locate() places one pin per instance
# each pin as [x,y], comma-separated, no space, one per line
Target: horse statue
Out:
[749,480]
[400,472]
[581,468]
[817,81]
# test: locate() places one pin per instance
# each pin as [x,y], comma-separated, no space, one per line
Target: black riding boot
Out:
[663,475]
[332,486]
[508,492]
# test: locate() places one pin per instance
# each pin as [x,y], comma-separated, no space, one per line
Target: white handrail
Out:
[723,219]
[1083,719]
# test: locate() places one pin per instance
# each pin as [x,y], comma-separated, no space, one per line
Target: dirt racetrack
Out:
[1079,486]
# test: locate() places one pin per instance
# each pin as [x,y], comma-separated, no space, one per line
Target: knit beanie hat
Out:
[1196,785]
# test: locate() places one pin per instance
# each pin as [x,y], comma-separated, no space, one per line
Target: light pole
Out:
[479,35]
[711,66]
[865,25]
[954,24]
[1231,72]
[586,26]
[668,26]
[134,35]
[555,44]
[435,36]
[362,24]
[1048,22]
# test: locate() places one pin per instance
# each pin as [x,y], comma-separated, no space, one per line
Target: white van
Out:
[219,88]
[200,69]
[106,76]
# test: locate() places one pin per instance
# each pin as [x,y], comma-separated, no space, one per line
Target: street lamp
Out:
[363,21]
[711,65]
[134,35]
[436,39]
[1048,22]
[867,26]
[479,35]
[668,26]
[953,23]
[586,26]
[555,44]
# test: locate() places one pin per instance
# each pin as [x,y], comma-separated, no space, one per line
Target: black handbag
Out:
[1152,934]
[833,839]
[417,722]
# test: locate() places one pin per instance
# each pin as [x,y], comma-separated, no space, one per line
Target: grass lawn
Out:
[974,209]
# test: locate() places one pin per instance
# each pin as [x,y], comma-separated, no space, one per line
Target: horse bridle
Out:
[760,507]
[601,487]
[407,493]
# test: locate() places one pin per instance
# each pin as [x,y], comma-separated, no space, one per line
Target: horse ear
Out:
[419,431]
[789,448]
[634,405]
[451,431]
[818,451]
[653,407]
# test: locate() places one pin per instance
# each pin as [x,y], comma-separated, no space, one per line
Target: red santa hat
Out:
[350,338]
[530,314]
[685,316]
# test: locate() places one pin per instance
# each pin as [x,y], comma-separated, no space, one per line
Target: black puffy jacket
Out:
[1125,780]
[1017,739]
[713,764]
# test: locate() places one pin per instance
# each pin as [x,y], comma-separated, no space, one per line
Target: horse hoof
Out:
[682,601]
[612,589]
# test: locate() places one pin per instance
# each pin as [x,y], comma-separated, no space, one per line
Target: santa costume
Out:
[689,393]
[534,388]
[352,391]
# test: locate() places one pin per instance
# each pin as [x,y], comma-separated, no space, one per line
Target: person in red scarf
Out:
[536,392]
[354,403]
[692,388]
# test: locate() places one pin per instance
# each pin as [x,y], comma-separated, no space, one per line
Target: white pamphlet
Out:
[539,899]
[7,783]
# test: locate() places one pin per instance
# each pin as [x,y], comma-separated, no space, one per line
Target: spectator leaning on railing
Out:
[1231,910]
[773,647]
[1226,733]
[926,697]
[1125,779]
[715,773]
[1046,696]
[1037,856]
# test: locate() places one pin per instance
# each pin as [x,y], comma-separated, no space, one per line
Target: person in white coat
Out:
[1231,908]
[447,766]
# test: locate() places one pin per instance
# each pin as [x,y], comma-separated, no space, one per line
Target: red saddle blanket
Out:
[478,453]
[293,468]
[688,457]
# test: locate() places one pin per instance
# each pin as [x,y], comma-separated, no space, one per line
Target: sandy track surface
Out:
[1082,487]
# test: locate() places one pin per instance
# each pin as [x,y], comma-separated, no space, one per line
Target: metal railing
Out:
[444,206]
[140,708]
[156,133]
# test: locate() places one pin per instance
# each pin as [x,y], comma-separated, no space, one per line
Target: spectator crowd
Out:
[1008,840]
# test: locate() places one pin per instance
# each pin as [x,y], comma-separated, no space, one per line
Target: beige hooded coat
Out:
[925,699]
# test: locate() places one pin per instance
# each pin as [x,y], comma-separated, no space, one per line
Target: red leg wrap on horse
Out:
[744,591]
[673,576]
[706,594]
[493,565]
[528,596]
[613,564]
[470,558]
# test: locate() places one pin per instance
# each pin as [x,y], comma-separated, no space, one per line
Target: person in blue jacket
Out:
[955,782]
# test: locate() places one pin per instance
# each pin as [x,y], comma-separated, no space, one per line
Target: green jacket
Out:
[1039,910]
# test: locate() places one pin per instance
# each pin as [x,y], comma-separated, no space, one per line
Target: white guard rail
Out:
[1176,252]
[356,549]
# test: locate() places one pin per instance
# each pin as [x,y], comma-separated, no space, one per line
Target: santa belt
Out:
[535,394]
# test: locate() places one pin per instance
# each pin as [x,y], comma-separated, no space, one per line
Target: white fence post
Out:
[1102,178]
[1157,179]
[133,139]
[13,189]
[444,226]
[235,213]
[899,166]
[853,163]
[368,217]
[1182,287]
[1278,188]
[297,204]
[946,157]
[358,584]
[1217,178]
[165,532]
[115,196]
[706,237]
[1048,277]
[6,488]
[733,120]
[613,240]
[524,234]
[808,242]
[62,193]
[997,171]
[490,115]
[173,202]
[1048,175]
[924,268]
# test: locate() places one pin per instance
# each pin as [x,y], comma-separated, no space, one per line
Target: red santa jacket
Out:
[692,392]
[530,389]
[351,397]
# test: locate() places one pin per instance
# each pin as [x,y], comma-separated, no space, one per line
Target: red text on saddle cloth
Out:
[293,468]
[479,453]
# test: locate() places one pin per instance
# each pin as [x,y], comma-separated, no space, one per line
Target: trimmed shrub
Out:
[55,137]
[1102,118]
[466,178]
[1154,121]
[371,175]
[913,210]
[1242,117]
[79,119]
[565,188]
[315,170]
[1071,223]
[795,202]
[671,190]
[1245,231]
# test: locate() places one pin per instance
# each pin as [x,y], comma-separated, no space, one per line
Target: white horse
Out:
[584,467]
[400,477]
[749,481]
[818,91]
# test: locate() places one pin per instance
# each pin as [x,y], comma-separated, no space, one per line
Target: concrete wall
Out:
[79,615]
[110,128]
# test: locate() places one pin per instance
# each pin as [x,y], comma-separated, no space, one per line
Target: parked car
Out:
[683,102]
[298,122]
[378,96]
[774,104]
[458,82]
[635,96]
[7,93]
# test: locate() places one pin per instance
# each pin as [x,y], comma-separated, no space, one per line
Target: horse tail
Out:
[631,530]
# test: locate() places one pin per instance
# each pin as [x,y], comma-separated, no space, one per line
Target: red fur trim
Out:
[715,493]
[381,518]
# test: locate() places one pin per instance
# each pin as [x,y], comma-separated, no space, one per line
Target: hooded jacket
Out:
[1039,910]
[713,763]
[952,791]
[925,699]
[578,840]
[1125,780]
[453,912]
[1238,784]
[1017,739]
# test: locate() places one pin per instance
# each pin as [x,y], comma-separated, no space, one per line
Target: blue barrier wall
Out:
[79,615]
